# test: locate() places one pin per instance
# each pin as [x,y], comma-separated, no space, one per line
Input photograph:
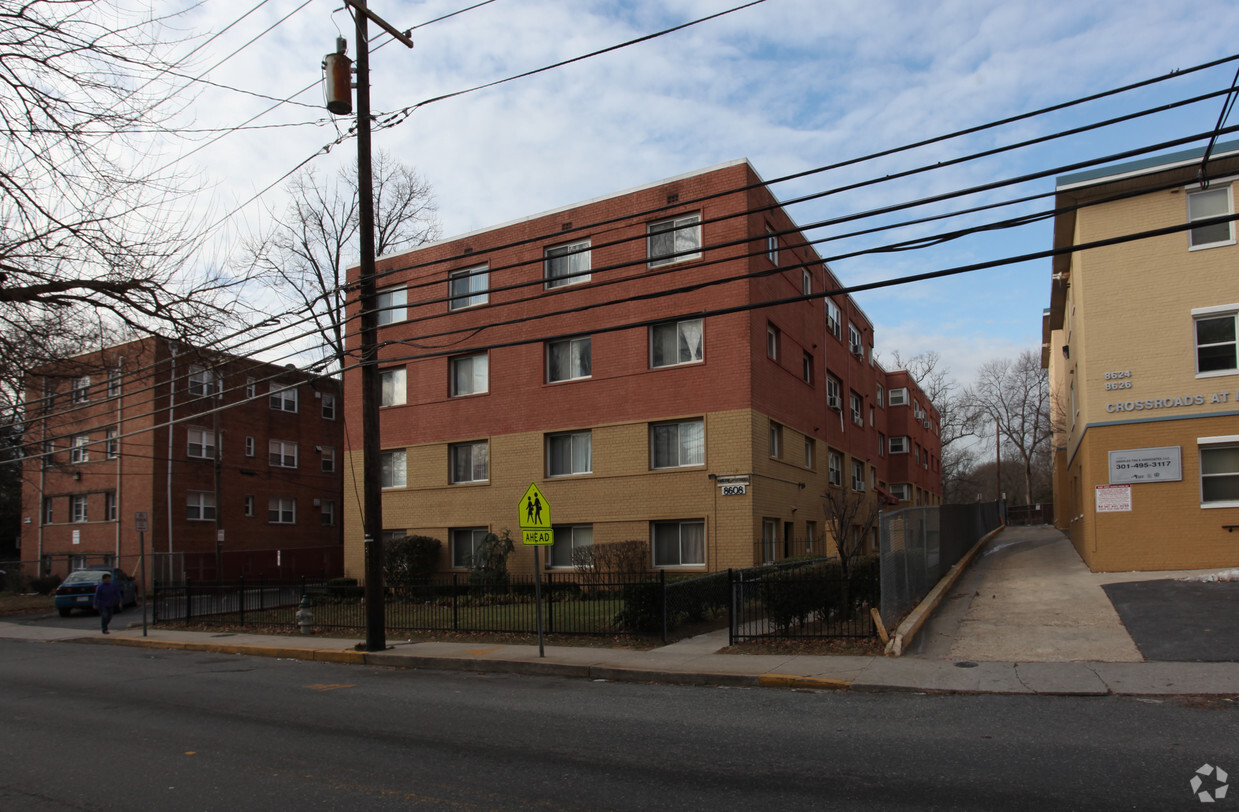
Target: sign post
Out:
[141,523]
[534,514]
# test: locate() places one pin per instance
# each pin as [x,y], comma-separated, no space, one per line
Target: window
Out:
[200,506]
[569,538]
[393,390]
[203,382]
[282,454]
[111,444]
[834,471]
[329,406]
[249,447]
[249,505]
[832,319]
[48,513]
[78,451]
[881,396]
[251,388]
[467,288]
[568,360]
[855,346]
[283,398]
[808,452]
[81,389]
[327,512]
[806,281]
[391,304]
[772,245]
[806,369]
[282,510]
[567,264]
[1209,203]
[470,375]
[676,342]
[1219,471]
[1216,342]
[881,444]
[899,397]
[470,462]
[202,443]
[465,543]
[834,392]
[392,464]
[676,445]
[810,535]
[857,408]
[674,240]
[899,445]
[900,490]
[772,342]
[77,507]
[328,458]
[109,506]
[113,382]
[679,544]
[776,440]
[570,454]
[858,475]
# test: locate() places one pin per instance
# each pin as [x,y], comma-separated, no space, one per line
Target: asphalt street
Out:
[1180,621]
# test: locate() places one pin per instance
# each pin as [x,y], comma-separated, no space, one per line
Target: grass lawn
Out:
[12,603]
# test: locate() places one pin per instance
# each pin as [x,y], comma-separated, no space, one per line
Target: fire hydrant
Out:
[305,616]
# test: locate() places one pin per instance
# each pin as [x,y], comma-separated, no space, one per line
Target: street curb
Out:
[789,681]
[279,652]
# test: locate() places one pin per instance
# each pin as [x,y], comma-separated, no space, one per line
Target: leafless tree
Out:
[850,517]
[957,415]
[304,256]
[1014,397]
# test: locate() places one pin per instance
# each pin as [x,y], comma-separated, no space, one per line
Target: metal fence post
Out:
[189,600]
[154,599]
[455,620]
[241,596]
[550,589]
[662,599]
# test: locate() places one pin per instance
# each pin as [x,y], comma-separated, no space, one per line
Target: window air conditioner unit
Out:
[317,502]
[927,424]
[835,402]
[858,485]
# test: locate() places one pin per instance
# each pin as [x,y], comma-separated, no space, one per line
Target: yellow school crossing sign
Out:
[535,518]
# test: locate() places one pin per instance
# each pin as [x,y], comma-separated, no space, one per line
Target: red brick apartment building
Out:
[224,455]
[660,362]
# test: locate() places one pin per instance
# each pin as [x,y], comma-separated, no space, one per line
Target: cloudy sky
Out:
[792,85]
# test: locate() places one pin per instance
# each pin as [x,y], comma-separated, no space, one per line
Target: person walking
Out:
[107,596]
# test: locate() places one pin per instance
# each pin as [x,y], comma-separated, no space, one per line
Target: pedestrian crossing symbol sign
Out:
[535,518]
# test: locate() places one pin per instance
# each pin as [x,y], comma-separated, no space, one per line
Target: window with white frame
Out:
[809,454]
[392,467]
[776,440]
[855,344]
[858,475]
[1216,348]
[468,287]
[676,342]
[200,506]
[470,462]
[329,406]
[569,360]
[678,444]
[48,512]
[833,324]
[1210,203]
[567,264]
[282,454]
[570,453]
[201,443]
[327,512]
[249,505]
[901,491]
[78,450]
[834,393]
[806,281]
[674,240]
[391,304]
[772,246]
[114,382]
[898,397]
[1219,471]
[772,342]
[806,369]
[465,544]
[393,389]
[111,444]
[857,408]
[282,510]
[109,506]
[834,468]
[881,397]
[283,397]
[202,381]
[77,507]
[899,445]
[249,447]
[881,444]
[81,389]
[679,544]
[251,388]
[470,375]
[568,539]
[328,456]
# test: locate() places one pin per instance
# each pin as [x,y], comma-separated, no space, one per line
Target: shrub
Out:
[344,588]
[410,560]
[45,585]
[643,610]
[488,566]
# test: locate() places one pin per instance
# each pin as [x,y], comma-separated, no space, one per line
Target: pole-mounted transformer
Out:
[338,80]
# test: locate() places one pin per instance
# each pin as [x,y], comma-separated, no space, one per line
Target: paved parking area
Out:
[1180,621]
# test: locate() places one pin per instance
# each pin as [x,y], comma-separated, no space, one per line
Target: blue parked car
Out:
[78,590]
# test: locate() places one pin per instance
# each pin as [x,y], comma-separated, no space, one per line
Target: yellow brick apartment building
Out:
[1140,344]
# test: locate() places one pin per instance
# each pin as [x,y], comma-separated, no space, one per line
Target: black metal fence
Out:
[806,599]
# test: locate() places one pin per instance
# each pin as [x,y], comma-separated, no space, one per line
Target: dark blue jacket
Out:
[106,594]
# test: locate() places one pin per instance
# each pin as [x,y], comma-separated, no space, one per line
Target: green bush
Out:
[410,560]
[643,610]
[344,588]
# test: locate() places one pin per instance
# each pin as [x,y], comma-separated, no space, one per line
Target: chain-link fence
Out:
[919,545]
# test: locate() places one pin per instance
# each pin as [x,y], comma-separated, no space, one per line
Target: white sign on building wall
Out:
[1114,498]
[1146,465]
